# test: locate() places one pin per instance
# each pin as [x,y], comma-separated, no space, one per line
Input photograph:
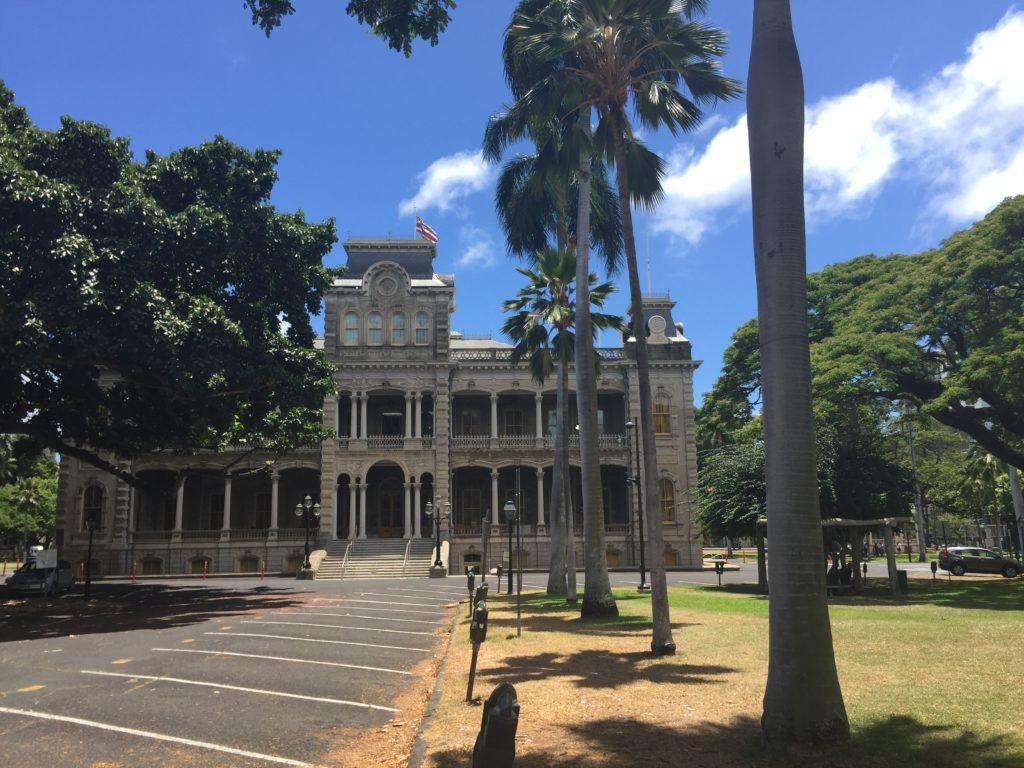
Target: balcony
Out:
[471,442]
[387,442]
[516,442]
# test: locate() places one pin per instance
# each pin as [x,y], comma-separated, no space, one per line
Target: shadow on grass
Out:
[626,743]
[600,669]
[989,595]
[116,608]
[543,613]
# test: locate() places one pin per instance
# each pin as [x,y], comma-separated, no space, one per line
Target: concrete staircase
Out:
[380,558]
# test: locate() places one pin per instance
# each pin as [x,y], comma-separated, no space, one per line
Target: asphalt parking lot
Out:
[219,673]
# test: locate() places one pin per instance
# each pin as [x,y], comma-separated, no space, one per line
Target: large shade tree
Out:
[153,304]
[397,22]
[803,703]
[627,61]
[542,326]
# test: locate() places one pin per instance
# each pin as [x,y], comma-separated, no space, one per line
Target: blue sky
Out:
[915,128]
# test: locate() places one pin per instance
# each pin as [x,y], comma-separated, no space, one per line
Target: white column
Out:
[353,414]
[362,511]
[364,399]
[538,416]
[275,481]
[494,417]
[540,497]
[226,526]
[408,510]
[417,514]
[495,512]
[352,510]
[408,415]
[419,415]
[179,505]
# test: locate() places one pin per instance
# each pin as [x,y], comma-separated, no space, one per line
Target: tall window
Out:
[375,328]
[668,500]
[398,329]
[470,422]
[422,327]
[92,506]
[351,328]
[514,422]
[662,417]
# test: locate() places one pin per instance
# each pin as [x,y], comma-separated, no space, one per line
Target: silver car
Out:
[41,581]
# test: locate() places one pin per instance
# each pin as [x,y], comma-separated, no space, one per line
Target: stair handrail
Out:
[405,562]
[344,560]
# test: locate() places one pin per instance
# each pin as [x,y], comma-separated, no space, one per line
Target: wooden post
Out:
[857,542]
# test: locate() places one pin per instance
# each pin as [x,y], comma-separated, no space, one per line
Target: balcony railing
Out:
[204,535]
[393,442]
[249,534]
[296,533]
[471,442]
[605,353]
[152,535]
[516,441]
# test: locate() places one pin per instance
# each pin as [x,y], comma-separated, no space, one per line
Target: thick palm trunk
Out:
[556,567]
[803,703]
[597,590]
[569,532]
[661,640]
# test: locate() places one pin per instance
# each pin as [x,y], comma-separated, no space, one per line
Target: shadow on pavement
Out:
[121,608]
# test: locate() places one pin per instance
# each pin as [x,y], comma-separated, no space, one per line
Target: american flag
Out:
[423,230]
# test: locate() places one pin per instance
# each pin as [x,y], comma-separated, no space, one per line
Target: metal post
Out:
[88,566]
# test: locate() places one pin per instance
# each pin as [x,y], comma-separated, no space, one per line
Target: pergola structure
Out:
[857,528]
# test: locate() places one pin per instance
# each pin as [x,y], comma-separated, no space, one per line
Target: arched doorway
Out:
[385,502]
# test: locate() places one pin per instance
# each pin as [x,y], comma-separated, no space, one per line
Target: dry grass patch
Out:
[930,680]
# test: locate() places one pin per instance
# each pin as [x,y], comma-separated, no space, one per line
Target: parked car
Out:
[41,581]
[961,560]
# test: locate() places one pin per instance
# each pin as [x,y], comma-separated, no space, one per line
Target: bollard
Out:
[204,569]
[496,743]
[133,571]
[5,568]
[263,569]
[81,571]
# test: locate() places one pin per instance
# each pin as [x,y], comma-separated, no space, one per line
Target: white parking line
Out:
[224,687]
[378,602]
[318,640]
[283,658]
[156,736]
[429,591]
[358,616]
[437,603]
[337,626]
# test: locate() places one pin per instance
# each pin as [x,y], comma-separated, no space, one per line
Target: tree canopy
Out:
[154,304]
[398,22]
[28,497]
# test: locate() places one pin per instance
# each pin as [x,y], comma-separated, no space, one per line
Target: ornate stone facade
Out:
[421,414]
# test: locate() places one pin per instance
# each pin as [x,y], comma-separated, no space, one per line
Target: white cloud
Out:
[951,135]
[478,248]
[447,180]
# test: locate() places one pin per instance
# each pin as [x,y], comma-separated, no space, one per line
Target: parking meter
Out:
[935,570]
[478,626]
[864,569]
[470,585]
[477,634]
[496,743]
[719,569]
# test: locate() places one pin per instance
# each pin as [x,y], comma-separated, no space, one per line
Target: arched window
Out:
[398,329]
[662,419]
[351,329]
[668,500]
[92,506]
[422,328]
[375,329]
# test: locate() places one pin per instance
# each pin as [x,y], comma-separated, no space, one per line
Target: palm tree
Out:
[542,328]
[803,703]
[610,56]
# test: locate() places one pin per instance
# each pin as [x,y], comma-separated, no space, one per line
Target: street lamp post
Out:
[438,514]
[92,522]
[512,515]
[635,480]
[308,511]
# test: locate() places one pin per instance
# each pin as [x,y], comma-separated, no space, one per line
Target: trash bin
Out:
[901,582]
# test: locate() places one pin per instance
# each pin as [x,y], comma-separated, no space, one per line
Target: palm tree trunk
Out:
[661,640]
[803,703]
[556,565]
[597,589]
[569,531]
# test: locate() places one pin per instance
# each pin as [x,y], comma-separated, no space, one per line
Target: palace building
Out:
[422,414]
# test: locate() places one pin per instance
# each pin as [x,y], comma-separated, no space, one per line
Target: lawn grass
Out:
[932,679]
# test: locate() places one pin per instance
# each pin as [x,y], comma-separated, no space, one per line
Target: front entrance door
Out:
[390,512]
